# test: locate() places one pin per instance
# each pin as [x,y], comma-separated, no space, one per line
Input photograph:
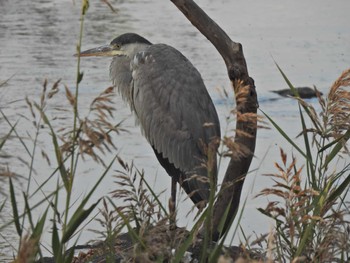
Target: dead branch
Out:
[243,85]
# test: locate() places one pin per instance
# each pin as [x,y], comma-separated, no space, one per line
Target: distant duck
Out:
[304,92]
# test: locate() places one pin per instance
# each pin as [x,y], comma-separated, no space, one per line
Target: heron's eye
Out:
[116,46]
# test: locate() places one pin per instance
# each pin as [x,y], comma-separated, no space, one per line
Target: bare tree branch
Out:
[246,101]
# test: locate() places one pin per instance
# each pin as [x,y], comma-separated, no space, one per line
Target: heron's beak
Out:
[103,51]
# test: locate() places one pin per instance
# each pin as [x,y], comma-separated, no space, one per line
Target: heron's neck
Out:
[133,49]
[120,71]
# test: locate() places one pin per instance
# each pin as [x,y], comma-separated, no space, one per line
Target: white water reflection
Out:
[308,39]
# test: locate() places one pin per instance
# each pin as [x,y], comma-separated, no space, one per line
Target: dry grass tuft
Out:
[309,204]
[293,200]
[333,120]
[153,237]
[241,91]
[5,173]
[234,149]
[246,122]
[140,207]
[27,251]
[293,209]
[94,130]
[338,107]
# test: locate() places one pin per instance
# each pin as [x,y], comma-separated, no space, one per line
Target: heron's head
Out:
[124,45]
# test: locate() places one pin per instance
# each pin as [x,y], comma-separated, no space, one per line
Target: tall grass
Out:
[144,217]
[85,136]
[311,192]
[311,211]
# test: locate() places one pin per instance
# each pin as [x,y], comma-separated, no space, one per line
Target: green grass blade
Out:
[3,204]
[340,189]
[294,90]
[5,138]
[180,252]
[154,194]
[133,234]
[98,182]
[306,237]
[49,178]
[308,150]
[39,227]
[68,257]
[306,139]
[38,231]
[279,129]
[308,234]
[28,211]
[58,153]
[77,219]
[80,214]
[14,209]
[223,219]
[330,144]
[337,148]
[239,220]
[214,255]
[184,247]
[56,245]
[15,131]
[33,207]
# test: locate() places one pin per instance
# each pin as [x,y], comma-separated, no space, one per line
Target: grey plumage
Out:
[172,106]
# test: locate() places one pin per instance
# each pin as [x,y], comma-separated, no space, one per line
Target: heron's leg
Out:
[175,175]
[172,205]
[173,191]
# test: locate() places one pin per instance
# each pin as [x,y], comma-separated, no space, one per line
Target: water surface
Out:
[308,39]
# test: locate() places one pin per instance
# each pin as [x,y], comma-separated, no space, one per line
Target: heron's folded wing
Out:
[174,108]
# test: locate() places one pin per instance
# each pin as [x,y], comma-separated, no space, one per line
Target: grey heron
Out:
[172,106]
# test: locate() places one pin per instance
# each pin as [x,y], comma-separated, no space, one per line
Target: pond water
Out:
[310,40]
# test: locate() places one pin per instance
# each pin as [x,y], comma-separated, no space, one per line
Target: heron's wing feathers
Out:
[175,111]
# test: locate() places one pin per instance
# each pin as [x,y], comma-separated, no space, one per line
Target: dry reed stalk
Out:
[27,251]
